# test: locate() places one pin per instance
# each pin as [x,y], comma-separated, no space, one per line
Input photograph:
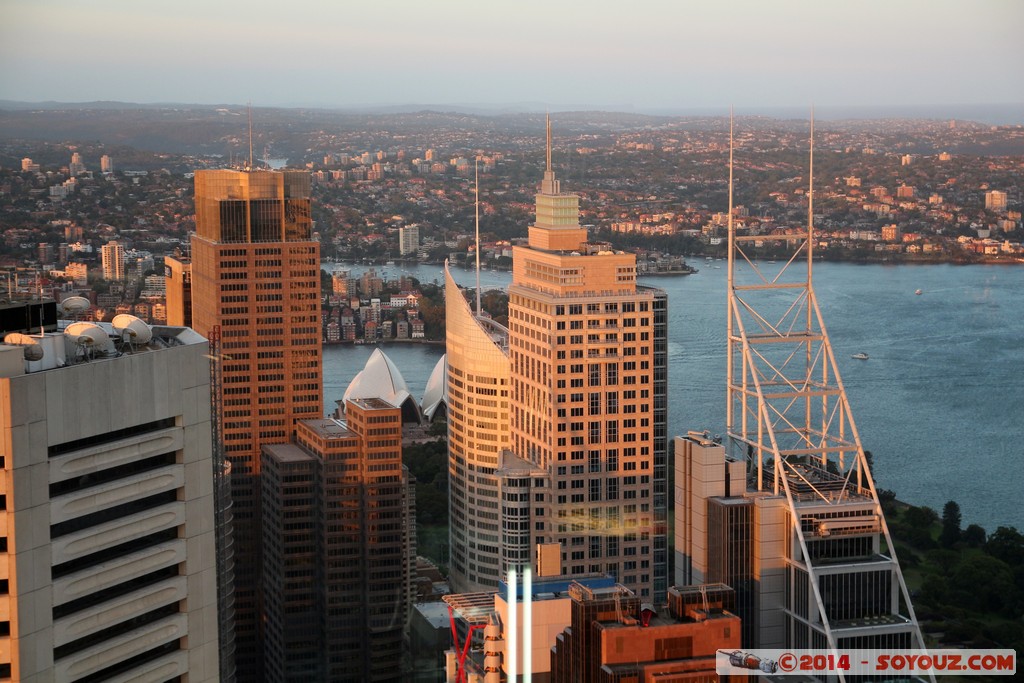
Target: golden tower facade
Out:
[586,460]
[256,276]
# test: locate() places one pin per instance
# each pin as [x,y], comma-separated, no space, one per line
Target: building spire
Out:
[548,119]
[549,185]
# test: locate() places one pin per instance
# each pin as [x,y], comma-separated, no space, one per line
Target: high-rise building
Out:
[178,275]
[343,284]
[113,261]
[478,437]
[45,253]
[107,556]
[408,239]
[106,164]
[585,400]
[786,509]
[995,200]
[256,278]
[76,167]
[339,540]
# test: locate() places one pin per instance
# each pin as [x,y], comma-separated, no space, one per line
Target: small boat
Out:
[859,356]
[918,292]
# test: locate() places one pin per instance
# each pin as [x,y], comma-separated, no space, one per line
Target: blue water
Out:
[940,403]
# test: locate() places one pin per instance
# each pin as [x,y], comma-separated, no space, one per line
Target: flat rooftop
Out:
[287,453]
[327,428]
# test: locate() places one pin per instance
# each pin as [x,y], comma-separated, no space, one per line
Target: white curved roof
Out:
[379,378]
[436,392]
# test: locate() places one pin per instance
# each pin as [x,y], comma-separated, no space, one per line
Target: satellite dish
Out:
[97,337]
[132,328]
[30,347]
[75,305]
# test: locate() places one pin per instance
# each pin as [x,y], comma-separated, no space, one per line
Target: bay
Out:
[940,402]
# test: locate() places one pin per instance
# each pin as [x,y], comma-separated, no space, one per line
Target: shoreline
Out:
[379,342]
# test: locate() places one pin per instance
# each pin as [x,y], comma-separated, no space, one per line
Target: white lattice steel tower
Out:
[789,417]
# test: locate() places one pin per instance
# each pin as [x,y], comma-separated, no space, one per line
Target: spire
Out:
[250,137]
[548,119]
[477,234]
[549,185]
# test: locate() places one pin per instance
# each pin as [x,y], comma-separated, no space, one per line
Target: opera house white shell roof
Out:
[380,378]
[436,392]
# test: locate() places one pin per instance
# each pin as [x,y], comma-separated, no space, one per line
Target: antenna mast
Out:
[729,300]
[250,136]
[810,206]
[548,123]
[477,206]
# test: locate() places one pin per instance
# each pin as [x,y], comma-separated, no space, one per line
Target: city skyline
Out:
[647,56]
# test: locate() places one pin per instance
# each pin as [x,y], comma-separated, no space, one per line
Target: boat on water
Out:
[918,292]
[860,356]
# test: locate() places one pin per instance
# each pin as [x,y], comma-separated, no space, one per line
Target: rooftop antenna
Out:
[477,192]
[810,207]
[250,136]
[548,122]
[730,303]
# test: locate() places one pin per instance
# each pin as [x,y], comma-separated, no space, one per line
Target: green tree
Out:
[950,525]
[1006,544]
[973,536]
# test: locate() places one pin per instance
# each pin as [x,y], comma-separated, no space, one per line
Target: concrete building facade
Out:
[108,564]
[112,256]
[408,239]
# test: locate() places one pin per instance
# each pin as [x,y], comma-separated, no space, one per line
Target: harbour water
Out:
[939,402]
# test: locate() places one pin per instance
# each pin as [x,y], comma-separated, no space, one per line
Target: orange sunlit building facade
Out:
[256,276]
[580,377]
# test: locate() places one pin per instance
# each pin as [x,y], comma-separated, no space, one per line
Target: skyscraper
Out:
[586,461]
[256,277]
[113,261]
[408,239]
[478,438]
[107,544]
[178,275]
[786,509]
[339,547]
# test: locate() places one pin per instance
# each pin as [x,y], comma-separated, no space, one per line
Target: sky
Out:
[629,55]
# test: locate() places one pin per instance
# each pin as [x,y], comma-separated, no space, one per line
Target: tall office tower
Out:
[113,261]
[586,395]
[256,276]
[106,164]
[178,275]
[827,552]
[107,559]
[587,352]
[478,439]
[339,548]
[408,239]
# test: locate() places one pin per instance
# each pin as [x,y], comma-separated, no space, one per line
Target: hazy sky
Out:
[639,54]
